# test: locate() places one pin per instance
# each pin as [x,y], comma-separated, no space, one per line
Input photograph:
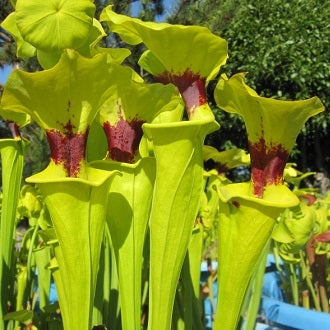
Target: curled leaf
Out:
[30,202]
[294,230]
[226,160]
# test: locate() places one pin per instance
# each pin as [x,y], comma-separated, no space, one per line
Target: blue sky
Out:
[4,72]
[169,5]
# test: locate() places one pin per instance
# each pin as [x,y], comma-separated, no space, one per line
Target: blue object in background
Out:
[208,312]
[294,317]
[53,298]
[281,315]
[272,284]
[285,315]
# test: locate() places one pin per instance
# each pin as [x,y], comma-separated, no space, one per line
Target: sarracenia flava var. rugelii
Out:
[126,166]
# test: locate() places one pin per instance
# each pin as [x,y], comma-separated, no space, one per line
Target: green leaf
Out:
[42,259]
[97,137]
[117,55]
[29,202]
[12,161]
[48,236]
[96,34]
[200,51]
[19,118]
[23,48]
[48,59]
[190,275]
[292,175]
[227,159]
[24,316]
[54,25]
[295,228]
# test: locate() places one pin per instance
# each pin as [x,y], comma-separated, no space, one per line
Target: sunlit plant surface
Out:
[122,215]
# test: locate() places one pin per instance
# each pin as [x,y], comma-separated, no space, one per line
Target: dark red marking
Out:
[14,129]
[67,148]
[190,85]
[267,164]
[309,199]
[236,204]
[123,139]
[323,237]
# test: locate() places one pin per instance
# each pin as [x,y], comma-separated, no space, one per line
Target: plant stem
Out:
[321,261]
[294,285]
[256,289]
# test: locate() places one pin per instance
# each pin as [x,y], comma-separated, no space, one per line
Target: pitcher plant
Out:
[131,104]
[248,211]
[66,115]
[125,178]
